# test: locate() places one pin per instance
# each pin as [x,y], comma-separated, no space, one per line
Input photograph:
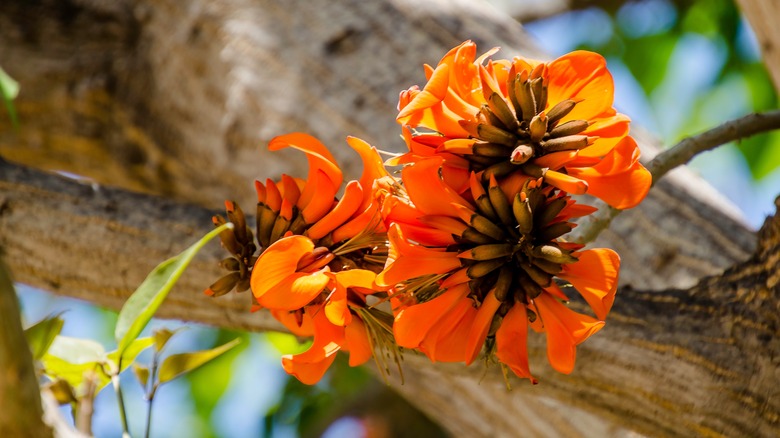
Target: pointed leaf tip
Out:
[144,302]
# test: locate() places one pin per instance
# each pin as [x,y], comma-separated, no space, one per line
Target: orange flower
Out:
[472,269]
[552,120]
[318,255]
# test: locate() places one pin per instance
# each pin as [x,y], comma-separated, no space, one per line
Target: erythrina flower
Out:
[552,120]
[479,268]
[318,256]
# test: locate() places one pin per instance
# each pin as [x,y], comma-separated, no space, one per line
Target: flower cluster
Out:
[469,246]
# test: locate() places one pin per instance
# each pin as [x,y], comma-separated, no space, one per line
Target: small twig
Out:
[120,399]
[86,406]
[688,148]
[152,391]
[680,154]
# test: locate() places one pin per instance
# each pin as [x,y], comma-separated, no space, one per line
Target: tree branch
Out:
[680,154]
[98,243]
[736,129]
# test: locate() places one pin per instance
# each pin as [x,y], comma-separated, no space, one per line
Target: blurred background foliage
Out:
[680,67]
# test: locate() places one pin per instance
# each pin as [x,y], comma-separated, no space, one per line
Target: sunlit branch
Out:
[680,154]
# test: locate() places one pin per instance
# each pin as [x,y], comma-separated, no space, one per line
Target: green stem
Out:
[152,393]
[149,417]
[120,400]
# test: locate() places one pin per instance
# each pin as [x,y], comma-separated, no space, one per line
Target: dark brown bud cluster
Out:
[240,243]
[509,134]
[514,246]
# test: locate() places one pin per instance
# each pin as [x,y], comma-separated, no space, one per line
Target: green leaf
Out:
[175,365]
[77,351]
[73,373]
[142,305]
[131,352]
[71,359]
[9,89]
[41,335]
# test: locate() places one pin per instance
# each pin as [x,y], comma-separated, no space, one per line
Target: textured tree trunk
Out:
[177,99]
[21,413]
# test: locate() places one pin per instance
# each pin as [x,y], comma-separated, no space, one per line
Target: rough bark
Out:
[21,413]
[175,100]
[678,361]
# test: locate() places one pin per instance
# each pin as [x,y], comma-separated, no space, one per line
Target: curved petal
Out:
[619,179]
[444,342]
[295,291]
[433,93]
[583,76]
[277,262]
[413,260]
[480,327]
[298,322]
[357,343]
[413,323]
[311,365]
[609,130]
[565,330]
[511,342]
[336,308]
[595,276]
[373,167]
[319,159]
[323,197]
[427,191]
[346,207]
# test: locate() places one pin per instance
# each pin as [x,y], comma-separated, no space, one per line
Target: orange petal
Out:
[289,189]
[445,223]
[295,291]
[581,75]
[567,183]
[565,330]
[311,365]
[322,201]
[413,261]
[346,207]
[413,323]
[320,159]
[428,236]
[357,343]
[336,308]
[609,130]
[556,160]
[444,342]
[434,92]
[481,325]
[595,276]
[427,191]
[356,224]
[619,179]
[511,342]
[373,167]
[298,322]
[273,198]
[278,262]
[260,188]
